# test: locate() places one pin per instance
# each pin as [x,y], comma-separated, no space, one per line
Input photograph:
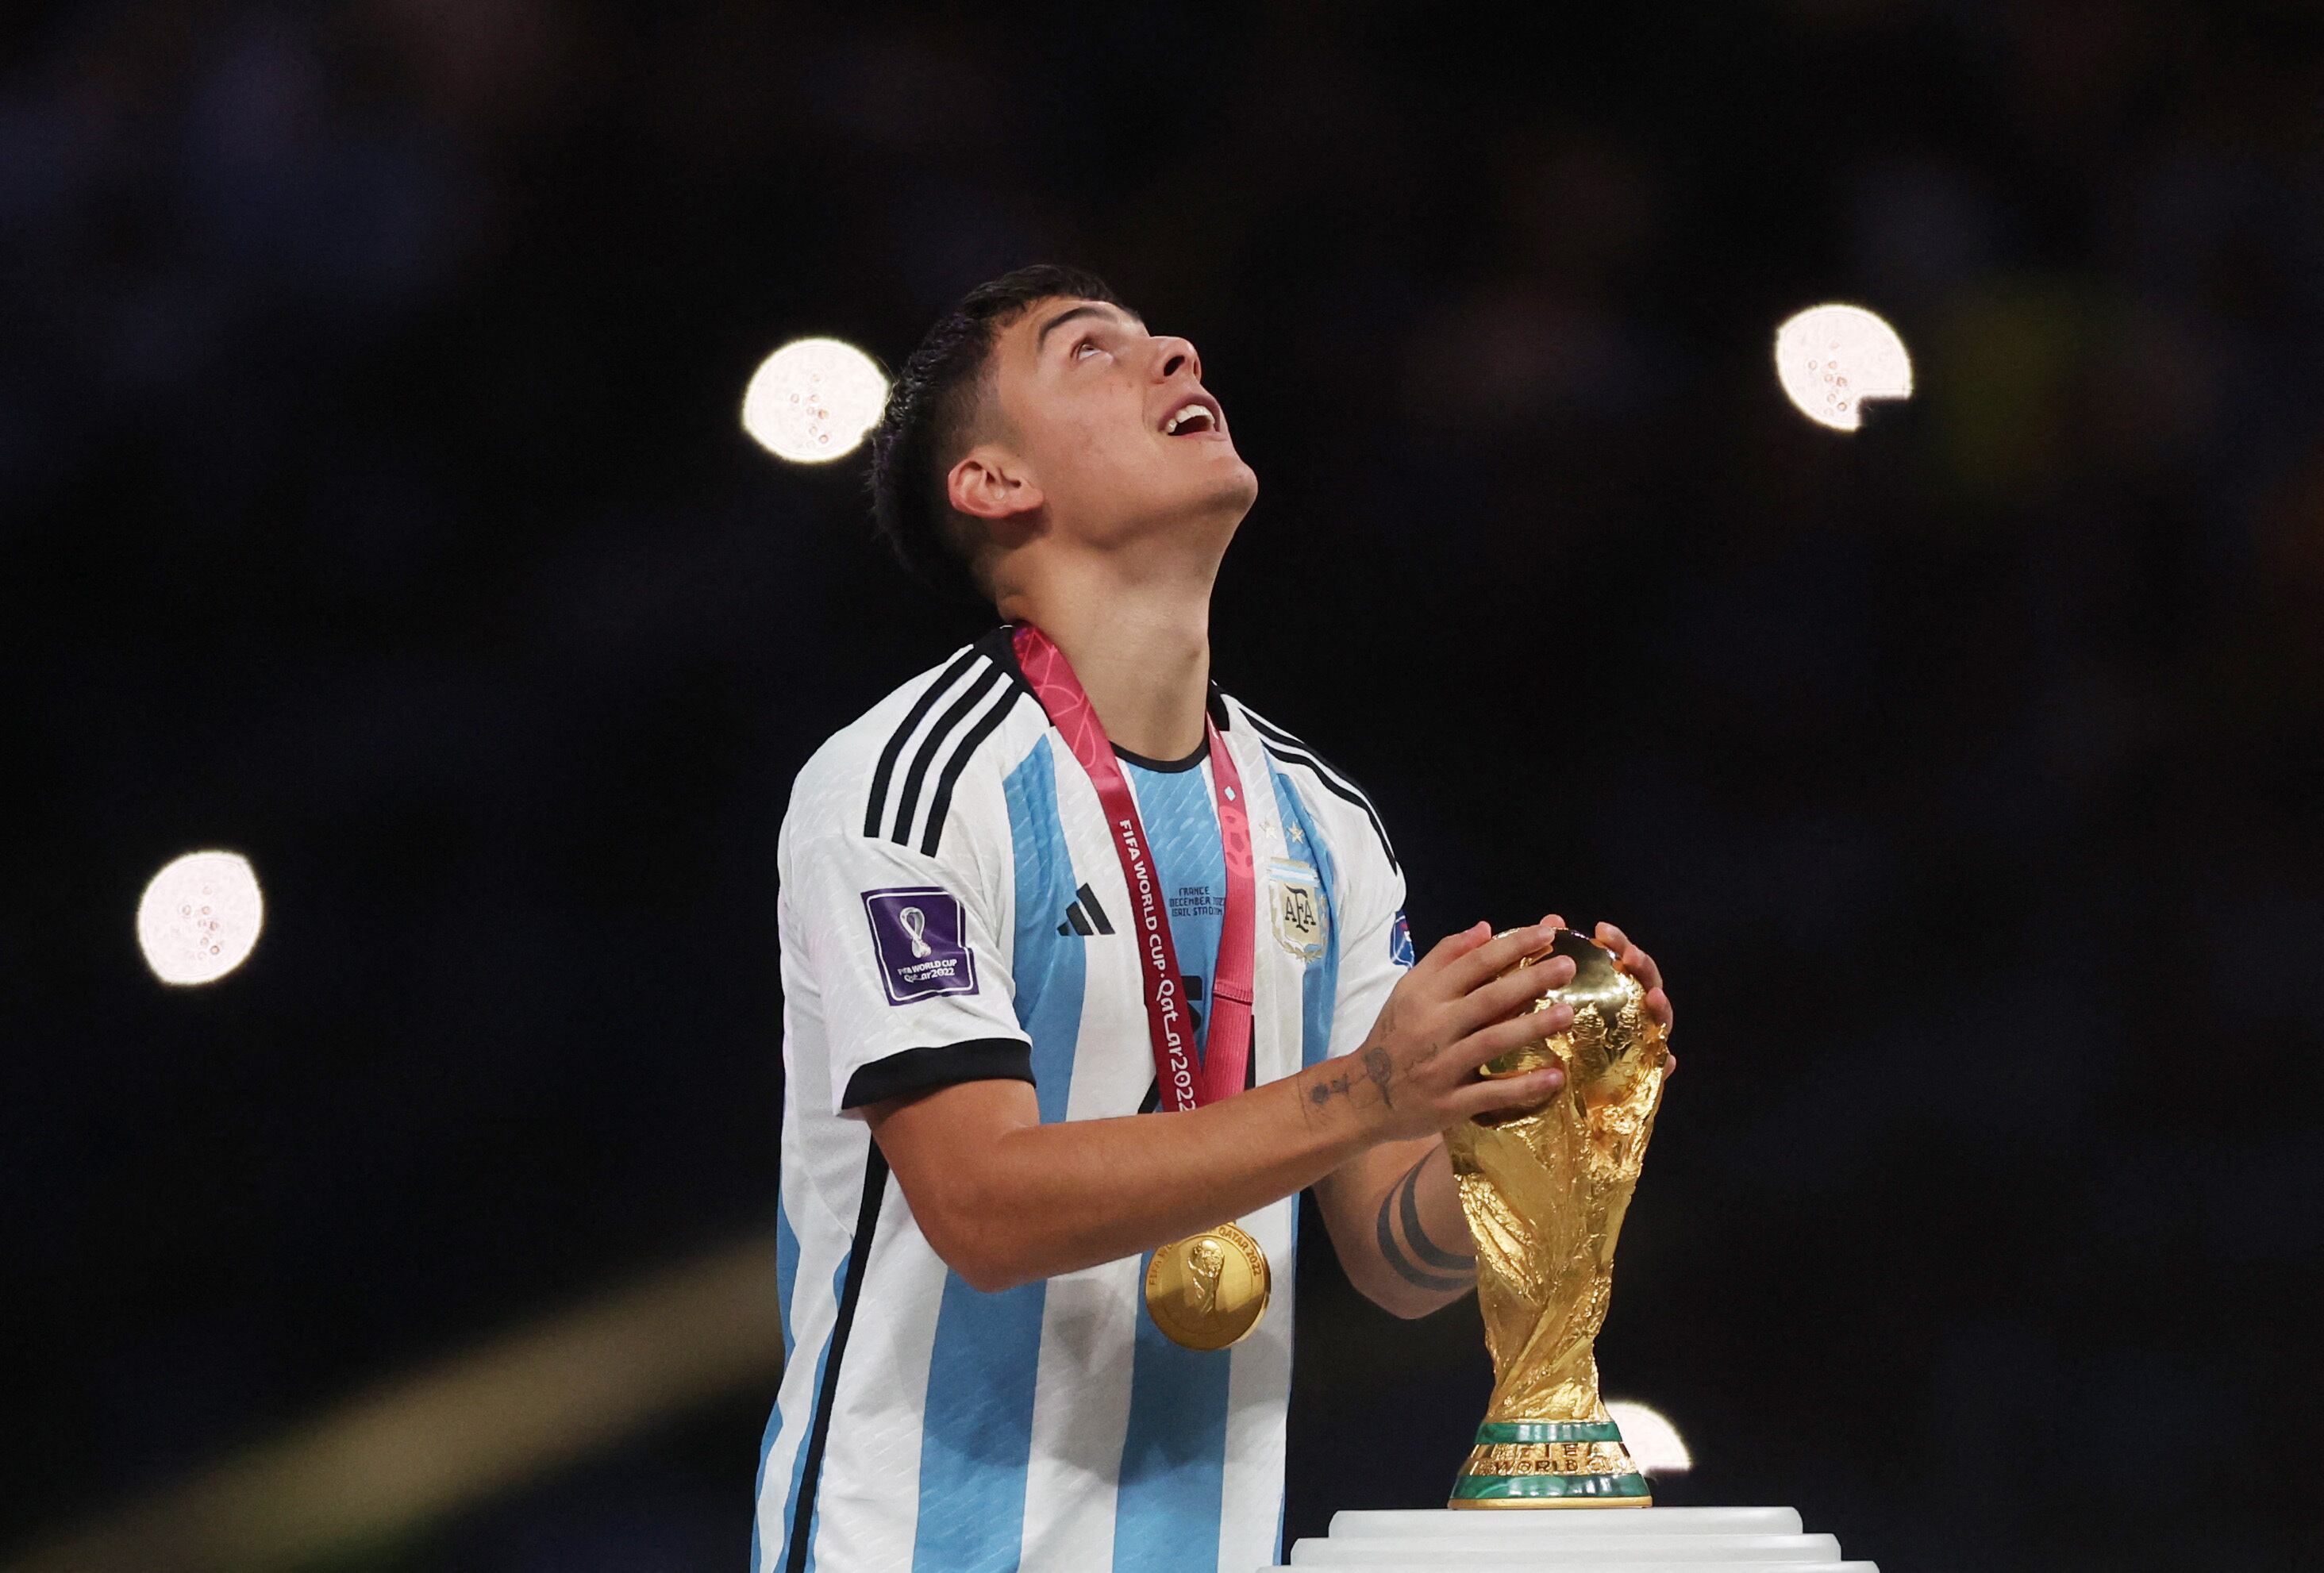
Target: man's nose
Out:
[1174,355]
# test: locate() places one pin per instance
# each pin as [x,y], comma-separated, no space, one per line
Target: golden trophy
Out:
[1546,1190]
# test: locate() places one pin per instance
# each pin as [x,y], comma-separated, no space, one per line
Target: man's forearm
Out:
[1397,1223]
[1040,1199]
[1422,1236]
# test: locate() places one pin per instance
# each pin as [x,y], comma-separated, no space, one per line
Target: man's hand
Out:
[1641,966]
[1394,1210]
[1416,1074]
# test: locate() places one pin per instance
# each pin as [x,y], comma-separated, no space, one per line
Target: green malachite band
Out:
[1508,1488]
[1494,1431]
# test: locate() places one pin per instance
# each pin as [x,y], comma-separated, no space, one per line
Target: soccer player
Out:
[1089,969]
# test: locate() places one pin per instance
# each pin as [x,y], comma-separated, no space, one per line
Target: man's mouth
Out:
[1192,418]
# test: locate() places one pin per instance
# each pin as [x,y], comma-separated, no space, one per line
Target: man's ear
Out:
[991,484]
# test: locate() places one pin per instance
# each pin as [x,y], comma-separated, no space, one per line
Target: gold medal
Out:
[1210,1290]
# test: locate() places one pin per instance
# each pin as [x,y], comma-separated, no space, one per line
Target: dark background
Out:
[373,502]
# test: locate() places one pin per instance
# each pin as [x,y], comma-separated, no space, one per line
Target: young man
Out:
[1088,969]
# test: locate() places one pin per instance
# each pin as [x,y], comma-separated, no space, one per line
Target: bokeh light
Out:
[199,917]
[1655,1444]
[812,401]
[1831,359]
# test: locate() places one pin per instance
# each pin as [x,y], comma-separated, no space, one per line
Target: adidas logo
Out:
[1082,914]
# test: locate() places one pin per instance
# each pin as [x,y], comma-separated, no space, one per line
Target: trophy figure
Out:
[1205,1263]
[1544,1190]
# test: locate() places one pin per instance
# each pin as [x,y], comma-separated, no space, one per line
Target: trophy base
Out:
[1536,1463]
[1539,1491]
[1663,1540]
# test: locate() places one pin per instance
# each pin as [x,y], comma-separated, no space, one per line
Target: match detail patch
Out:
[916,932]
[1399,942]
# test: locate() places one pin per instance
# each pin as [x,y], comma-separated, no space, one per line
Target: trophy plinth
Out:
[1665,1539]
[1544,1190]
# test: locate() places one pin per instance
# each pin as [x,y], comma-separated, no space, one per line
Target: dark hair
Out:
[930,413]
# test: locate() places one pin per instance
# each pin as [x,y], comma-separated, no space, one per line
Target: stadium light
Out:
[812,401]
[1655,1444]
[1831,359]
[199,917]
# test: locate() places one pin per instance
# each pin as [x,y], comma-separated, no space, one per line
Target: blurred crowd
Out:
[376,506]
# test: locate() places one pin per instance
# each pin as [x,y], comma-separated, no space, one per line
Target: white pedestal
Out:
[1577,1540]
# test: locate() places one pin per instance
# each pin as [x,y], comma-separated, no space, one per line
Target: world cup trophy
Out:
[1544,1190]
[1206,1261]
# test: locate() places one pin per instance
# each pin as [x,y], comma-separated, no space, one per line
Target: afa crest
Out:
[1294,898]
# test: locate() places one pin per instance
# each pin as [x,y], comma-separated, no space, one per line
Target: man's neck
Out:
[1142,651]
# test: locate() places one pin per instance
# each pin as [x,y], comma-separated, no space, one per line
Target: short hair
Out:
[931,413]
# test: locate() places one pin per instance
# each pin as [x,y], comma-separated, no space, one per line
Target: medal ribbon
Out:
[1188,1080]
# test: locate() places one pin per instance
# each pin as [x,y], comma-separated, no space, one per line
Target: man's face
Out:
[1114,427]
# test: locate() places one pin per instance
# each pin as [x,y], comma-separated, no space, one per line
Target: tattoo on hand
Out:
[1405,1204]
[1379,1068]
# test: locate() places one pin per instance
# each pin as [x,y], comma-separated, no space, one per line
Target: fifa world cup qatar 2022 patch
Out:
[922,955]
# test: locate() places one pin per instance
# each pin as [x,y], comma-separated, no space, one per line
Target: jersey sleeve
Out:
[904,951]
[1375,942]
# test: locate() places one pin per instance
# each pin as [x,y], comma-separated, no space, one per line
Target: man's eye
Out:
[1087,343]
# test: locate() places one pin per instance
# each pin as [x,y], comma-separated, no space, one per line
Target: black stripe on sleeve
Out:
[924,1069]
[941,806]
[1323,766]
[858,1258]
[1268,729]
[1291,750]
[896,740]
[1097,913]
[1307,751]
[954,714]
[1347,794]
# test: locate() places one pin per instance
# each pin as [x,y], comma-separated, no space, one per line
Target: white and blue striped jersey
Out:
[952,909]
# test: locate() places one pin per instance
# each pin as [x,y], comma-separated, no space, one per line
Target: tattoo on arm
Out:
[1402,1202]
[1379,1068]
[1416,1237]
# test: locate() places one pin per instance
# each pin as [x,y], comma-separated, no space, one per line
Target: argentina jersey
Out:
[952,909]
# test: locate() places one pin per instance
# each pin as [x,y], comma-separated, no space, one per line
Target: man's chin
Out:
[1226,503]
[1239,489]
[1212,506]
[1225,492]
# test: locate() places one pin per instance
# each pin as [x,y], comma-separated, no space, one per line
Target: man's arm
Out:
[1394,1215]
[1005,1198]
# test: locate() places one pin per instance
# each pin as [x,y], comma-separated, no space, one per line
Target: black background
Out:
[373,501]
